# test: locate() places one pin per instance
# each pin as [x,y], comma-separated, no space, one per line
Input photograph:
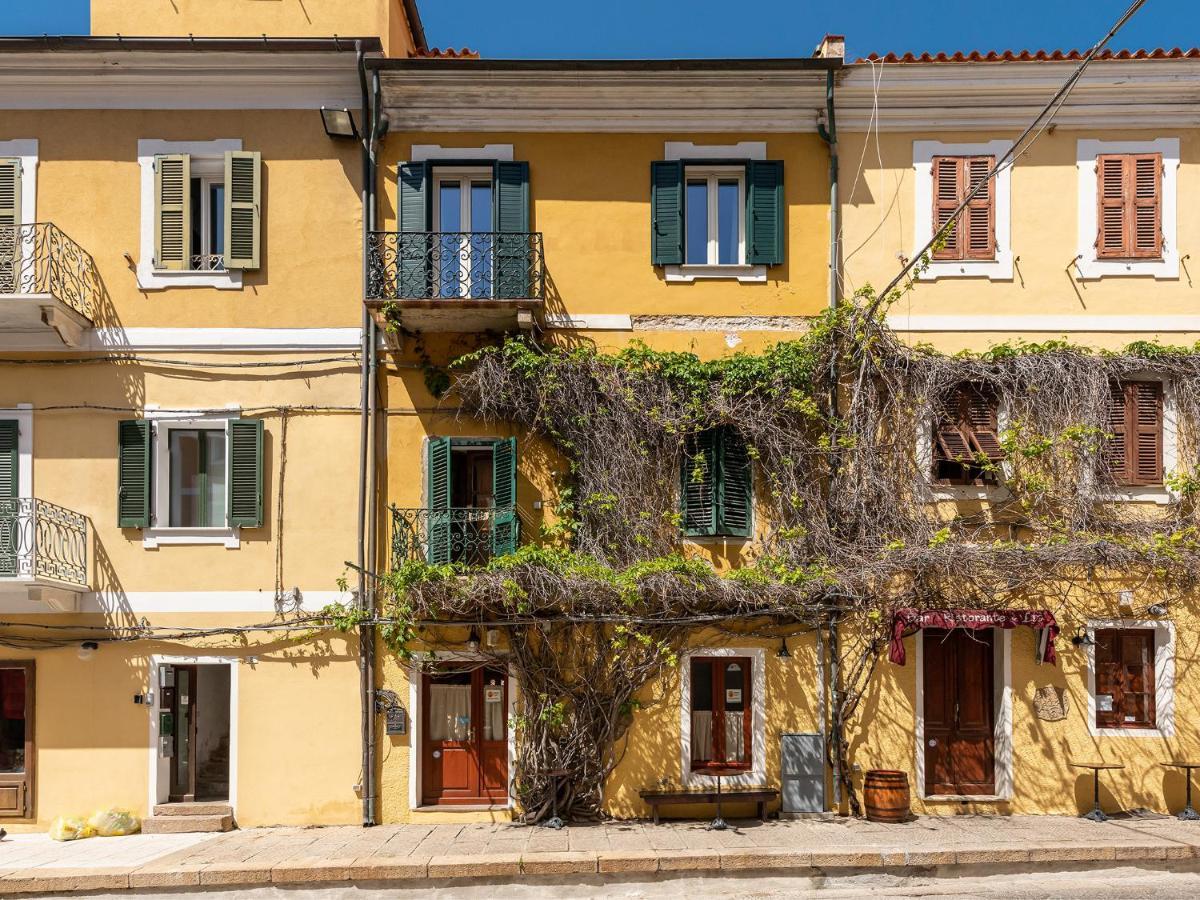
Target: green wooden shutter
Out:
[764,212]
[243,209]
[437,498]
[415,249]
[734,485]
[10,462]
[505,525]
[244,494]
[172,211]
[133,473]
[699,474]
[10,219]
[666,213]
[510,221]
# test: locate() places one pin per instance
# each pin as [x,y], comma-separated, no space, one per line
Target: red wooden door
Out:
[465,737]
[959,712]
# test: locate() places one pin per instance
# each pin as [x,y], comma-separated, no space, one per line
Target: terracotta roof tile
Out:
[1031,55]
[448,53]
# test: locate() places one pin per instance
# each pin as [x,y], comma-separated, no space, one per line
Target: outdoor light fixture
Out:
[473,640]
[87,649]
[339,123]
[1082,638]
[783,650]
[1157,610]
[492,637]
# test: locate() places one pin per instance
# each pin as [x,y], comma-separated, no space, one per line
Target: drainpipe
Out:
[366,631]
[834,702]
[828,132]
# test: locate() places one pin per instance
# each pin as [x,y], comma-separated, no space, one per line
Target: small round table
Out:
[1096,814]
[718,824]
[1188,814]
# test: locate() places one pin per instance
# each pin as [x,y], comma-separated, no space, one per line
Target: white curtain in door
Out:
[702,736]
[449,712]
[735,737]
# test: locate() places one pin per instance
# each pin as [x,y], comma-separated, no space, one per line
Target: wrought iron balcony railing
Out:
[39,540]
[458,265]
[469,535]
[40,259]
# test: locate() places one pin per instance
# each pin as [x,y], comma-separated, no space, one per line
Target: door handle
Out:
[955,713]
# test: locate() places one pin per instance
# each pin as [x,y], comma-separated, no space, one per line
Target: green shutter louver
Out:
[133,473]
[735,496]
[666,213]
[505,525]
[244,493]
[510,221]
[243,209]
[764,213]
[10,462]
[699,478]
[172,212]
[437,499]
[10,219]
[414,249]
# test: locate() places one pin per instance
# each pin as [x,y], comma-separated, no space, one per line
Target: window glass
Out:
[216,219]
[196,477]
[215,476]
[697,223]
[481,239]
[728,197]
[720,712]
[12,720]
[197,223]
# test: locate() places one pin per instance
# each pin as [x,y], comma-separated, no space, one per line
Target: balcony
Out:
[469,535]
[457,281]
[48,284]
[43,552]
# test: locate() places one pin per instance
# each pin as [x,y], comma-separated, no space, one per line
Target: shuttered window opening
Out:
[966,436]
[207,211]
[717,213]
[973,235]
[717,496]
[1129,218]
[470,513]
[1125,678]
[10,219]
[10,465]
[1132,451]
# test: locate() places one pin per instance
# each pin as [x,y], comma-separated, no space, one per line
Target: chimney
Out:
[832,46]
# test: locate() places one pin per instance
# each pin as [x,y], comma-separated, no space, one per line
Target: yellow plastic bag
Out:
[70,828]
[114,822]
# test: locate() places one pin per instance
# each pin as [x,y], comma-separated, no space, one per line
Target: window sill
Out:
[1149,494]
[743,274]
[1140,732]
[998,269]
[151,279]
[152,538]
[1093,268]
[992,493]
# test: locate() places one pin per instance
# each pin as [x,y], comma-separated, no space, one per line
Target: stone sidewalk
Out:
[513,853]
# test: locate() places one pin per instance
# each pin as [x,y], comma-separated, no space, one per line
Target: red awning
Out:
[906,621]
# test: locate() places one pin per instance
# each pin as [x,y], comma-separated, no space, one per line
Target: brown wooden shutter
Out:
[1115,453]
[947,194]
[1146,430]
[1147,205]
[980,214]
[982,418]
[1129,219]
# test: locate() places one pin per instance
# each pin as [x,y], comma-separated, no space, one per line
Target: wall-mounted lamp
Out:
[473,640]
[1157,610]
[783,650]
[492,637]
[1082,638]
[339,123]
[87,650]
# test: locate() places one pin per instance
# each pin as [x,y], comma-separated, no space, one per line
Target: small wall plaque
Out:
[1051,704]
[396,721]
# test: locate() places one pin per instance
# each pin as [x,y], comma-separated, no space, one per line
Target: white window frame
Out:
[757,773]
[713,176]
[26,150]
[1087,265]
[159,532]
[203,155]
[998,269]
[1164,677]
[748,150]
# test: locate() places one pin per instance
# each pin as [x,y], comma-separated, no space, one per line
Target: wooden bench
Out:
[760,796]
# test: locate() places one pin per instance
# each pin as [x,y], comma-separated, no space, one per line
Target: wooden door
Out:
[959,712]
[16,739]
[465,737]
[183,710]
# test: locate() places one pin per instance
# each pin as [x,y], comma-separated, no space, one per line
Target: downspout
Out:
[366,632]
[828,132]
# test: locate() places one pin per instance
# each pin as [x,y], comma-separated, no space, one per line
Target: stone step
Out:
[194,808]
[186,824]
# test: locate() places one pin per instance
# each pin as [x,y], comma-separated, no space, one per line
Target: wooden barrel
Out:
[885,792]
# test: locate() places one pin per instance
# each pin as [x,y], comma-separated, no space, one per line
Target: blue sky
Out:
[666,28]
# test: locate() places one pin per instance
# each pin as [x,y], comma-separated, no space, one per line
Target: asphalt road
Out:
[1126,883]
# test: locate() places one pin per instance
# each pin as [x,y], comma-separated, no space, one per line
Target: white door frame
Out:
[417,721]
[160,768]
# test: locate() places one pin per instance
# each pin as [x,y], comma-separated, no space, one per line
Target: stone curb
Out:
[559,863]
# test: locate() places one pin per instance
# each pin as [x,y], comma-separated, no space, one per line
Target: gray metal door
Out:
[803,773]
